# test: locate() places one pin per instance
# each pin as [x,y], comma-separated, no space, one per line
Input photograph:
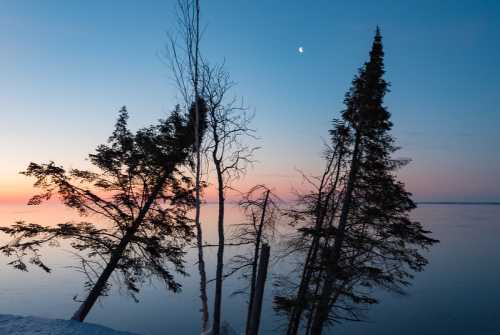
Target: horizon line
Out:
[492,203]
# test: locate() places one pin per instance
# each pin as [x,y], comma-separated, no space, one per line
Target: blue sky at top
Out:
[68,66]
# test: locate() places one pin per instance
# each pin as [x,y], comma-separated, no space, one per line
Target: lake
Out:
[458,293]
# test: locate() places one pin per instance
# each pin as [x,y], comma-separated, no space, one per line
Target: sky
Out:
[67,67]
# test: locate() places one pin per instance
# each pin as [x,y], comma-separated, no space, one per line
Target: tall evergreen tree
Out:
[368,240]
[375,242]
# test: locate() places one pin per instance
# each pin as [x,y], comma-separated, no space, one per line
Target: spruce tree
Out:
[375,242]
[357,224]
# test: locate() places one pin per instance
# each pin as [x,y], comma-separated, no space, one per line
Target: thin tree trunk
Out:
[258,239]
[294,322]
[199,232]
[309,320]
[254,323]
[220,251]
[116,255]
[322,310]
[199,243]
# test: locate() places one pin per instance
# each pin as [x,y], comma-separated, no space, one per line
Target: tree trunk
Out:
[96,291]
[253,328]
[296,314]
[199,244]
[258,239]
[199,233]
[220,252]
[322,310]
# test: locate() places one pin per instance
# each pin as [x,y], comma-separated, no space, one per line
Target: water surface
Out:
[457,293]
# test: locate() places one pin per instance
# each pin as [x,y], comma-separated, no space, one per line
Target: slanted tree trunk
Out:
[321,209]
[253,327]
[258,239]
[116,255]
[322,310]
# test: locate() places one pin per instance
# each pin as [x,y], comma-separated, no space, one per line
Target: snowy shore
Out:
[29,325]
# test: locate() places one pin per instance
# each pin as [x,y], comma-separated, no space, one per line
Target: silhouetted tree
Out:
[261,210]
[186,62]
[140,196]
[228,126]
[368,239]
[253,321]
[227,123]
[315,213]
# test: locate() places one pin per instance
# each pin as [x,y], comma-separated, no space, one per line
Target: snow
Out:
[225,329]
[29,325]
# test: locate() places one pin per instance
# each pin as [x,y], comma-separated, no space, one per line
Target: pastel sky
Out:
[68,66]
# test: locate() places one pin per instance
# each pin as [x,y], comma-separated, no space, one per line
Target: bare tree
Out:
[261,208]
[183,54]
[228,125]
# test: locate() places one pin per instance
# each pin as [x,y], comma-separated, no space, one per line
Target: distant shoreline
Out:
[489,203]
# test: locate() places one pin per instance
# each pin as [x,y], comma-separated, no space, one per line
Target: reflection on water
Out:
[456,294]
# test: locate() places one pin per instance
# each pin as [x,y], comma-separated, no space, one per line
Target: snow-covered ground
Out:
[29,325]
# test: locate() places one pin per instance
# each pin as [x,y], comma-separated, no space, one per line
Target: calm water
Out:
[458,293]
